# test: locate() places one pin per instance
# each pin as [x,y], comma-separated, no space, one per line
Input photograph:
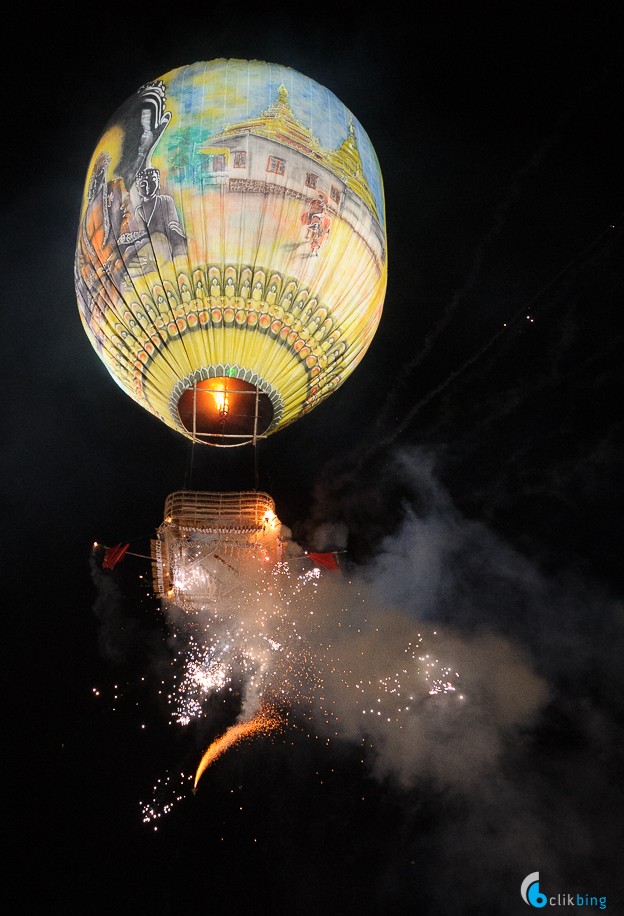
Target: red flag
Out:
[326,560]
[113,555]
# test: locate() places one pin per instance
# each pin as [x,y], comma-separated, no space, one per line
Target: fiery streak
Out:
[265,721]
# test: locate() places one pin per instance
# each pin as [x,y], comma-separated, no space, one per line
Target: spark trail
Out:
[496,227]
[264,722]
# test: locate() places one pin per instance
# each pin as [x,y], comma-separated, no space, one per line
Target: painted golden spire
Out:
[278,123]
[345,162]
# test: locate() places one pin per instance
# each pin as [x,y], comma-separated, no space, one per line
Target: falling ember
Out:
[266,720]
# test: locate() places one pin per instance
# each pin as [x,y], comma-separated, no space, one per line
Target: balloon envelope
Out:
[231,262]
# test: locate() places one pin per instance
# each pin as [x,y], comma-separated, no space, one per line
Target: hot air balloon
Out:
[231,265]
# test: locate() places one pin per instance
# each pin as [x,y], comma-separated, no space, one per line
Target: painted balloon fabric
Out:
[231,260]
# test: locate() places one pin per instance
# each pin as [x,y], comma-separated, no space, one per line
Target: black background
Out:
[497,127]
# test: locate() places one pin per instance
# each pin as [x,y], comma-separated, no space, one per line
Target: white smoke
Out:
[363,656]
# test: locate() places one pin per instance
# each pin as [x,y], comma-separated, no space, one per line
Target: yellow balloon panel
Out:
[232,227]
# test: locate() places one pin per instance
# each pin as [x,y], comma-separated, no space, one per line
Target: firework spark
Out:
[309,644]
[303,649]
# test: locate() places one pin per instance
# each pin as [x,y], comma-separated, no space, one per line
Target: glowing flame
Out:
[266,720]
[222,402]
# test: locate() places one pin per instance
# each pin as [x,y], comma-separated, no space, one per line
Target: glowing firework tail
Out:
[267,720]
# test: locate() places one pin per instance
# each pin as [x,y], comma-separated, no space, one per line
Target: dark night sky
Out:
[476,470]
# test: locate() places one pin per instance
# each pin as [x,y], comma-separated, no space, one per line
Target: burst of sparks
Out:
[277,644]
[166,793]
